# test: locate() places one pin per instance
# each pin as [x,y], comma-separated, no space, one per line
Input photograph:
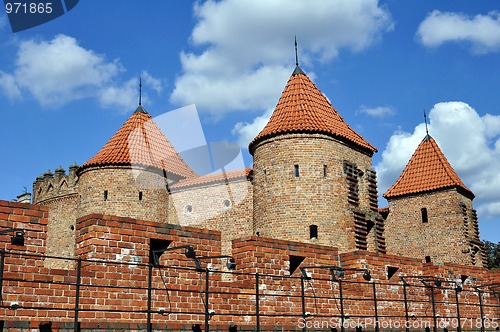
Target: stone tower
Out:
[130,175]
[430,212]
[313,177]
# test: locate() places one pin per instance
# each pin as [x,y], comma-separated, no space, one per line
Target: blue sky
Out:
[68,85]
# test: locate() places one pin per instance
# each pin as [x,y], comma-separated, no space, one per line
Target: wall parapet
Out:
[118,289]
[50,185]
[128,296]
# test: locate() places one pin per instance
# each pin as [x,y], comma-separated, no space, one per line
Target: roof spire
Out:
[426,129]
[140,91]
[140,109]
[296,53]
[297,68]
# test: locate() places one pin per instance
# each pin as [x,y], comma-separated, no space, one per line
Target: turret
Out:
[313,177]
[130,175]
[49,186]
[430,212]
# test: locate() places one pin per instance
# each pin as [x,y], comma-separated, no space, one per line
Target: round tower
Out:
[312,172]
[130,175]
[431,216]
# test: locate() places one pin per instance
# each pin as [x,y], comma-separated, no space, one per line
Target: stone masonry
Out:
[312,181]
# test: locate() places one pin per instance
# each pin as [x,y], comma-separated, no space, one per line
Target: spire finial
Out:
[297,68]
[425,120]
[296,53]
[140,91]
[139,108]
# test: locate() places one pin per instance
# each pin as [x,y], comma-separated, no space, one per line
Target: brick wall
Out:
[114,277]
[30,218]
[445,237]
[61,229]
[225,207]
[285,205]
[123,186]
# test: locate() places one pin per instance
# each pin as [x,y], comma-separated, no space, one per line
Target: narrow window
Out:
[325,171]
[427,259]
[424,215]
[296,170]
[105,195]
[265,175]
[140,195]
[313,232]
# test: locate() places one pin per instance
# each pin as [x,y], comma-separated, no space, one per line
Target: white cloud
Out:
[396,155]
[124,96]
[247,47]
[9,86]
[59,71]
[150,82]
[470,142]
[481,31]
[246,132]
[253,90]
[379,112]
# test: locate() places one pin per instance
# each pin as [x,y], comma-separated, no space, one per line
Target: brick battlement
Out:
[118,289]
[57,185]
[31,218]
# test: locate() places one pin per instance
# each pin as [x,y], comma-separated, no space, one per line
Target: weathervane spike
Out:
[425,120]
[140,91]
[296,53]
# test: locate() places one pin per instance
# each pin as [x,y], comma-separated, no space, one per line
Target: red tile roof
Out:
[427,170]
[140,142]
[213,178]
[303,108]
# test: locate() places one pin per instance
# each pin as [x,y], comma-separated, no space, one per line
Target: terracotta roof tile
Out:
[140,142]
[428,169]
[213,178]
[383,210]
[303,108]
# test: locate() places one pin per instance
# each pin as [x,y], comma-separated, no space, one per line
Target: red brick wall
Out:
[33,219]
[114,281]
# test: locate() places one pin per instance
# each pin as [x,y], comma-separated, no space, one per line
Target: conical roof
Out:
[140,142]
[303,108]
[428,169]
